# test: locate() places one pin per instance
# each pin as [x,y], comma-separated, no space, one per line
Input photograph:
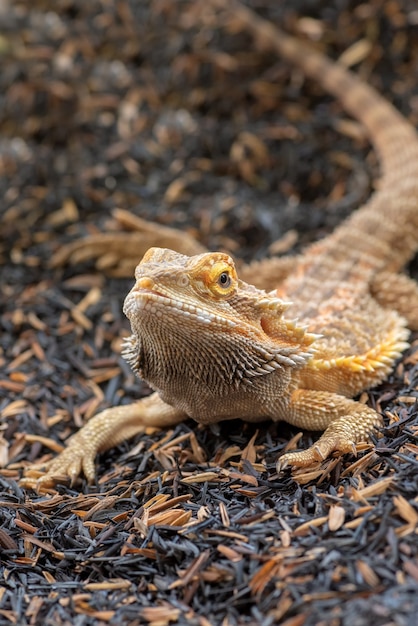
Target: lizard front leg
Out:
[345,422]
[103,431]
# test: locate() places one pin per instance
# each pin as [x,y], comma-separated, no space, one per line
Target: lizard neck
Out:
[205,385]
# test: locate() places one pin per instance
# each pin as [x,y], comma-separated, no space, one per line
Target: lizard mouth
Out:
[139,300]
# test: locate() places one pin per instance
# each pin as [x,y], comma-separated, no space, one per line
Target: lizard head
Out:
[188,310]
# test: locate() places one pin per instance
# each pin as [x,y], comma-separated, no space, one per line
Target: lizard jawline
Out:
[145,302]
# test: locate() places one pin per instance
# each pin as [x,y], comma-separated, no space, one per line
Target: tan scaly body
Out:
[214,347]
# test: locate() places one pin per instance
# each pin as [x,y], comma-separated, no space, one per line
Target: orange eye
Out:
[214,273]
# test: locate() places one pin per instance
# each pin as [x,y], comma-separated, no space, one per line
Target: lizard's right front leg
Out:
[103,431]
[345,422]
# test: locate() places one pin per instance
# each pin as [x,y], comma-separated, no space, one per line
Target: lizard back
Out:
[330,283]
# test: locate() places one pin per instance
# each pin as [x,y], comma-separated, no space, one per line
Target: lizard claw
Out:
[299,459]
[316,453]
[39,482]
[64,468]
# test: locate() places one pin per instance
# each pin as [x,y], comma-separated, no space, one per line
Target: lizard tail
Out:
[387,226]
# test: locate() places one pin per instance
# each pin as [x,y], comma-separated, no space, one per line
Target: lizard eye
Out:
[217,275]
[224,280]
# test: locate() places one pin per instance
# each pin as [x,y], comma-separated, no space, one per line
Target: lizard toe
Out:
[39,481]
[65,468]
[87,467]
[316,453]
[299,459]
[70,464]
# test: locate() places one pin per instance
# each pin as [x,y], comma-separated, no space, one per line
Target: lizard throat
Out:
[176,344]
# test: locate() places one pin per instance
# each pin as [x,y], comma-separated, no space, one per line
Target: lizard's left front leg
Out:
[345,421]
[103,431]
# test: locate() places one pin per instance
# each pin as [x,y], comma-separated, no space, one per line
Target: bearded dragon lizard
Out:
[214,347]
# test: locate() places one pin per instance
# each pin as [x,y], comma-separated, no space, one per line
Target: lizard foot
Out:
[117,253]
[347,422]
[316,453]
[74,460]
[103,431]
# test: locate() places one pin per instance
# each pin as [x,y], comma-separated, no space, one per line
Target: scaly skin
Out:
[215,347]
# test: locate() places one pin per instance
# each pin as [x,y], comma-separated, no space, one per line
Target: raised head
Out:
[192,318]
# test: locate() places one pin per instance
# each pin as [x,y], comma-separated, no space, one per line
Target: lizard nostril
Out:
[144,283]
